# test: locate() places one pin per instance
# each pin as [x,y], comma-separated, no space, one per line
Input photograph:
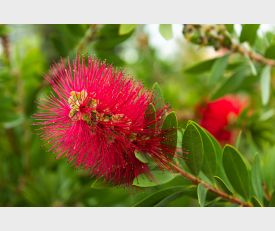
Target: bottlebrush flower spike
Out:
[217,115]
[96,117]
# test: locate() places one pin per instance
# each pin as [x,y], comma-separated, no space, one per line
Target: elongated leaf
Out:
[230,27]
[270,52]
[150,117]
[202,191]
[256,202]
[218,69]
[210,158]
[252,66]
[158,177]
[126,28]
[217,146]
[265,84]
[100,184]
[169,128]
[170,198]
[157,197]
[249,33]
[201,66]
[222,185]
[158,97]
[141,157]
[179,137]
[170,121]
[166,31]
[192,144]
[272,201]
[231,84]
[256,177]
[236,171]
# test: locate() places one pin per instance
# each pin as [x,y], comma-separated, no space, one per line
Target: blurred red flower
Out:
[217,116]
[95,116]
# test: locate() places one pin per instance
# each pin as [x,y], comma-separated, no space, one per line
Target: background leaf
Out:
[158,97]
[265,84]
[126,28]
[218,69]
[249,33]
[166,31]
[201,67]
[270,52]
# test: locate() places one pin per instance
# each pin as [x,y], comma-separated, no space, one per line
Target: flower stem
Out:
[195,180]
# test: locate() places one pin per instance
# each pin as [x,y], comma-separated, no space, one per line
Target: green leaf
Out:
[150,116]
[166,31]
[158,197]
[126,28]
[256,202]
[238,140]
[192,144]
[179,137]
[141,157]
[158,177]
[270,52]
[4,30]
[165,201]
[222,185]
[201,66]
[169,127]
[202,191]
[265,84]
[105,47]
[170,121]
[272,201]
[217,146]
[249,33]
[236,171]
[252,66]
[230,27]
[218,69]
[158,97]
[256,177]
[209,158]
[230,84]
[100,184]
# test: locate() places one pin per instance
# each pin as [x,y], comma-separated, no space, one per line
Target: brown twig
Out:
[6,48]
[195,180]
[253,55]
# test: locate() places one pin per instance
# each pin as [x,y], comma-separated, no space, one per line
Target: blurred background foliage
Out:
[191,65]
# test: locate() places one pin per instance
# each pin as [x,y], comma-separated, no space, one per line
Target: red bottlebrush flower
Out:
[95,117]
[217,115]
